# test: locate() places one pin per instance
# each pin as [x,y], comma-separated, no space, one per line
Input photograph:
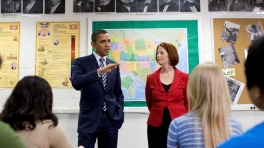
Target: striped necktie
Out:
[104,78]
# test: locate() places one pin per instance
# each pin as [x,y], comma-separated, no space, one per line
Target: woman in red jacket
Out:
[165,95]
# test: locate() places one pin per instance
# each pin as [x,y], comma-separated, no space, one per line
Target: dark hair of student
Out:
[30,101]
[172,52]
[96,34]
[254,72]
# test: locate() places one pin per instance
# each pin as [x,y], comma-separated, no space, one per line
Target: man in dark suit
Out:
[191,6]
[32,6]
[168,6]
[125,6]
[147,6]
[102,101]
[55,7]
[105,6]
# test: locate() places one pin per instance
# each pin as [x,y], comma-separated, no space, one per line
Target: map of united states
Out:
[135,50]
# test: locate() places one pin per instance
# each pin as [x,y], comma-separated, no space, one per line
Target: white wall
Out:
[133,133]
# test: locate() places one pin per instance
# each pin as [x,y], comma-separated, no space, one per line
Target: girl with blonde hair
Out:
[208,121]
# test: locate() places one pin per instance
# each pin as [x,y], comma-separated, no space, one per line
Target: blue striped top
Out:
[183,134]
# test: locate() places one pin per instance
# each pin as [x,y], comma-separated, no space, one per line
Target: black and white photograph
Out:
[239,5]
[230,32]
[54,6]
[105,6]
[83,6]
[11,6]
[218,5]
[32,6]
[190,6]
[17,7]
[126,6]
[257,5]
[235,89]
[147,6]
[229,55]
[56,41]
[254,31]
[169,5]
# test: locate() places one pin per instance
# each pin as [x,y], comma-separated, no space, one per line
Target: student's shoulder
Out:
[185,119]
[252,138]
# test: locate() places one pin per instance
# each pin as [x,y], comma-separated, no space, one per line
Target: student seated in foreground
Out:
[255,85]
[8,137]
[208,122]
[28,110]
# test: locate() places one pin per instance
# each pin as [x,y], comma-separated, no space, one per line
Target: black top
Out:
[166,87]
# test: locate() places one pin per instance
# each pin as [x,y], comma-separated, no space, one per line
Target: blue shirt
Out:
[250,139]
[183,133]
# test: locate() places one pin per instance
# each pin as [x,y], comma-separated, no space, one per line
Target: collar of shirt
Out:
[53,8]
[98,58]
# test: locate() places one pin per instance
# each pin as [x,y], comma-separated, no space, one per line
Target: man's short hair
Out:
[253,68]
[96,34]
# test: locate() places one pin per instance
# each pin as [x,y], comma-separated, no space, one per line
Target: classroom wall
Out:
[133,133]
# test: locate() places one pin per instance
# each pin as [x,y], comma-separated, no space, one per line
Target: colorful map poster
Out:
[9,50]
[57,45]
[140,44]
[135,50]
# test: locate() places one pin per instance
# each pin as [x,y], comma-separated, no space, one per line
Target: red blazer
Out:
[157,98]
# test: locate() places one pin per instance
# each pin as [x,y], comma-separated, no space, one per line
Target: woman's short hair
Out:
[30,101]
[172,52]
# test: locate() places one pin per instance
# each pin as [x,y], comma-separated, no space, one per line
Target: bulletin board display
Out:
[134,43]
[233,36]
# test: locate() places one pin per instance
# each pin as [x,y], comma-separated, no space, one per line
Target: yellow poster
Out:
[9,50]
[57,45]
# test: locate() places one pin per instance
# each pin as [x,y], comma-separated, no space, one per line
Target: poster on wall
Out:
[9,50]
[57,45]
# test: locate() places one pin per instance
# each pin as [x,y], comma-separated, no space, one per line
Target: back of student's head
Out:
[208,96]
[254,70]
[31,100]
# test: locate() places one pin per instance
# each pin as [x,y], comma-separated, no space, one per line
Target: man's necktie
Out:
[104,78]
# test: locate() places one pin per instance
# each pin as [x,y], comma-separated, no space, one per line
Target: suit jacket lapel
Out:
[109,75]
[175,82]
[157,81]
[94,64]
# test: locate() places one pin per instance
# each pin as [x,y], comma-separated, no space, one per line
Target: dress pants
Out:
[106,134]
[157,136]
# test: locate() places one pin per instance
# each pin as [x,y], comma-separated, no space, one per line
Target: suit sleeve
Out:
[117,90]
[148,93]
[81,79]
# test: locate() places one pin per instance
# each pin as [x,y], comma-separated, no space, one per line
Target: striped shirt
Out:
[183,134]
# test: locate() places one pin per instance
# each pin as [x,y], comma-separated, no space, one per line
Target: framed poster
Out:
[9,50]
[57,45]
